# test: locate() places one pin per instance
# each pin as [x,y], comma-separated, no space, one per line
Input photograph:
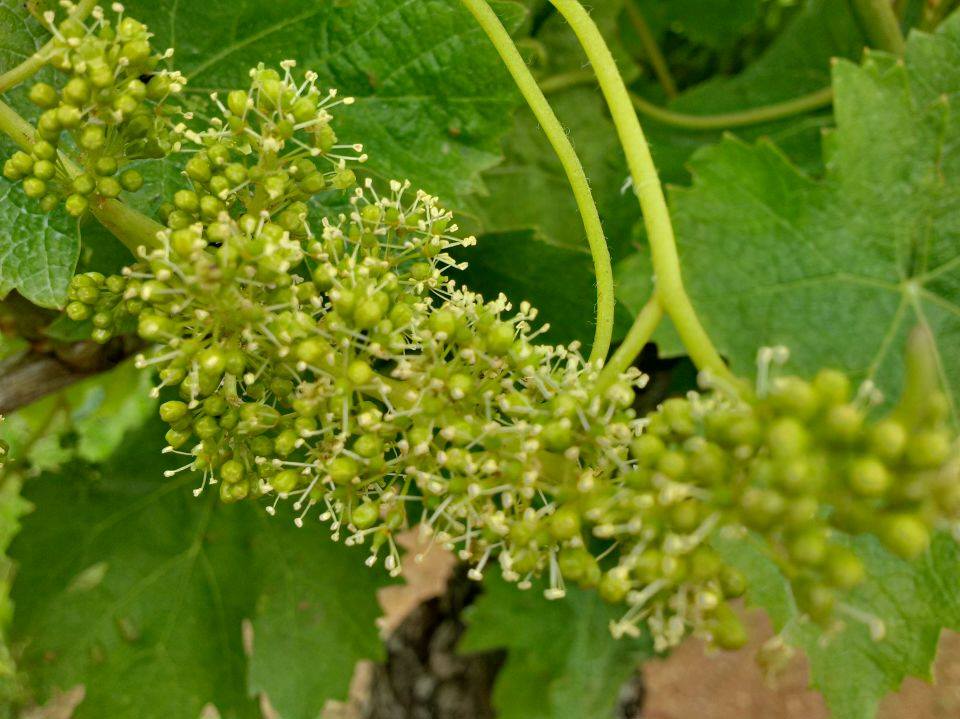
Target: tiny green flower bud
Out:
[173,411]
[131,180]
[43,95]
[343,469]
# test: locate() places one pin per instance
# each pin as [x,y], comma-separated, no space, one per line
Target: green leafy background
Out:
[831,232]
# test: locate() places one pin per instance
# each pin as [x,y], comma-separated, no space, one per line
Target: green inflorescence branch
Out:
[35,62]
[666,262]
[555,133]
[132,228]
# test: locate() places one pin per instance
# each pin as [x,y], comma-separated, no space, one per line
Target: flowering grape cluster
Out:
[114,107]
[339,365]
[347,372]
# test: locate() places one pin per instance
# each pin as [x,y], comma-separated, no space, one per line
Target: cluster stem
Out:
[132,228]
[29,67]
[640,333]
[557,136]
[656,215]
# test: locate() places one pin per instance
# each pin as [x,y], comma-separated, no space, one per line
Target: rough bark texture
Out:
[425,678]
[46,366]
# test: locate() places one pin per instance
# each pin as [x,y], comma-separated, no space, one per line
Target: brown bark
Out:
[46,366]
[424,677]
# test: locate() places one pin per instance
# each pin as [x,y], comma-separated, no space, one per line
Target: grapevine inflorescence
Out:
[115,108]
[338,364]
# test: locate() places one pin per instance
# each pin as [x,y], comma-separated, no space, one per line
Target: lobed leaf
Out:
[837,269]
[133,588]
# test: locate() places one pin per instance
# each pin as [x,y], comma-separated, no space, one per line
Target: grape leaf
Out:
[837,269]
[135,589]
[715,23]
[12,508]
[432,98]
[796,62]
[315,617]
[563,648]
[38,251]
[853,670]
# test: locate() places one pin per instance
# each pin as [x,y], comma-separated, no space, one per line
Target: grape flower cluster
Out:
[338,364]
[114,107]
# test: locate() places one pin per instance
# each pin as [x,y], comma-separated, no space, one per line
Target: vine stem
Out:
[657,61]
[880,22]
[723,121]
[742,118]
[32,64]
[132,228]
[640,333]
[576,176]
[663,248]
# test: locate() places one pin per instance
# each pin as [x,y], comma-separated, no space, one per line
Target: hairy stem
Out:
[723,121]
[32,64]
[643,328]
[663,248]
[555,133]
[132,228]
[657,61]
[881,25]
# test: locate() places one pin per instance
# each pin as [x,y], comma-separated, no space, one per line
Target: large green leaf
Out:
[837,269]
[562,661]
[134,588]
[853,668]
[796,62]
[432,97]
[38,251]
[315,617]
[716,23]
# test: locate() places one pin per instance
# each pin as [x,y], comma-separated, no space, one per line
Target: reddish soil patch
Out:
[696,684]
